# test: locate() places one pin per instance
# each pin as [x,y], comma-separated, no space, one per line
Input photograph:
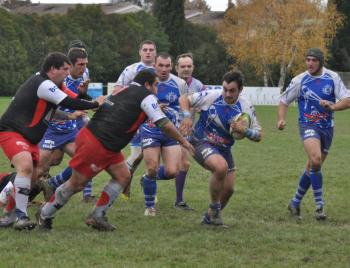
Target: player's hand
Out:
[100,100]
[163,106]
[188,146]
[238,126]
[327,105]
[83,87]
[186,126]
[281,124]
[76,114]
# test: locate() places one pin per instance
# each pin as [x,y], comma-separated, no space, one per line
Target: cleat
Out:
[320,215]
[213,218]
[125,197]
[24,224]
[47,189]
[183,206]
[294,211]
[99,223]
[8,219]
[150,212]
[43,224]
[89,199]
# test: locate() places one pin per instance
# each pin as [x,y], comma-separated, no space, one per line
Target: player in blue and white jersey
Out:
[184,68]
[316,91]
[212,140]
[154,142]
[147,53]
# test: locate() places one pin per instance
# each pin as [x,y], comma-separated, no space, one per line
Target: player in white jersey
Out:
[184,68]
[316,91]
[154,142]
[147,53]
[212,139]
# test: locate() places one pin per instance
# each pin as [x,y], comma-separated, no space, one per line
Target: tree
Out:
[267,32]
[171,15]
[339,49]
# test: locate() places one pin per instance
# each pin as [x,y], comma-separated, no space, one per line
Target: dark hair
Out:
[75,53]
[54,59]
[147,42]
[163,55]
[184,55]
[145,76]
[77,43]
[234,76]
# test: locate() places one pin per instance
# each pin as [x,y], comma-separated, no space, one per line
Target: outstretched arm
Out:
[282,112]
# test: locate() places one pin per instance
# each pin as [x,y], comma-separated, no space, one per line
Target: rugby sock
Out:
[88,189]
[161,174]
[180,184]
[22,188]
[149,190]
[316,183]
[303,186]
[212,206]
[61,196]
[60,178]
[108,196]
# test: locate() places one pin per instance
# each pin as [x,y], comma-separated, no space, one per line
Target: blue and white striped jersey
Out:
[129,73]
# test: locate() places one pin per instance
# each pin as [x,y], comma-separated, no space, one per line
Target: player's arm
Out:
[187,122]
[51,93]
[341,93]
[281,115]
[151,107]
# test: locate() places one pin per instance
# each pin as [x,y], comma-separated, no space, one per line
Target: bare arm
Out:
[338,106]
[282,112]
[186,124]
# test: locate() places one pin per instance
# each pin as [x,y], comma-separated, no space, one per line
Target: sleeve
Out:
[151,107]
[50,92]
[340,90]
[248,108]
[203,99]
[292,91]
[183,87]
[126,77]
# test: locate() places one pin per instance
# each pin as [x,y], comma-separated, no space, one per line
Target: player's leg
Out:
[120,178]
[151,158]
[180,181]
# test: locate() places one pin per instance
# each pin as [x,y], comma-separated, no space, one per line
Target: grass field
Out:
[261,233]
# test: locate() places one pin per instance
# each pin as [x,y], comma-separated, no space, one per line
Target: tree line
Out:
[112,43]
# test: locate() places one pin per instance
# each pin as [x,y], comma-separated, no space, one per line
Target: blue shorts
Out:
[136,140]
[54,139]
[325,135]
[204,149]
[155,139]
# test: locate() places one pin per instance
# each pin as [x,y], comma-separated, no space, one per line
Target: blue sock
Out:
[149,191]
[88,189]
[161,174]
[316,183]
[60,178]
[304,185]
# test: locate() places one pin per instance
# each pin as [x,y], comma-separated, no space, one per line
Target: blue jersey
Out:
[168,93]
[308,90]
[216,115]
[129,73]
[67,125]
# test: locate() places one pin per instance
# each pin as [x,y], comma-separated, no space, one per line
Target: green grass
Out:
[261,232]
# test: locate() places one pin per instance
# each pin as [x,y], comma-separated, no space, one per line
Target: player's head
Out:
[163,66]
[314,60]
[56,66]
[77,43]
[79,60]
[147,52]
[148,79]
[184,65]
[232,86]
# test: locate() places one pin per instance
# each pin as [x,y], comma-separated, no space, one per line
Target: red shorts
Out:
[91,156]
[13,143]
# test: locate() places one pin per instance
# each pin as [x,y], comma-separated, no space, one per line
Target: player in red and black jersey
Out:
[99,148]
[24,123]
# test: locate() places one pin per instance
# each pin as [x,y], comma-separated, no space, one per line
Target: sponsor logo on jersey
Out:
[53,89]
[327,90]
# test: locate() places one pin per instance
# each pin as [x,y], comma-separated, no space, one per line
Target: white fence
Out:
[256,95]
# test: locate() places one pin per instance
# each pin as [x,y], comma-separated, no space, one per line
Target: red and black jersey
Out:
[32,103]
[115,124]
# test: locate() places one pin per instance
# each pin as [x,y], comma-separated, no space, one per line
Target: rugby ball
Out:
[246,121]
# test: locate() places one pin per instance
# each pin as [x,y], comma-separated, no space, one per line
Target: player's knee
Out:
[171,172]
[25,169]
[220,169]
[316,162]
